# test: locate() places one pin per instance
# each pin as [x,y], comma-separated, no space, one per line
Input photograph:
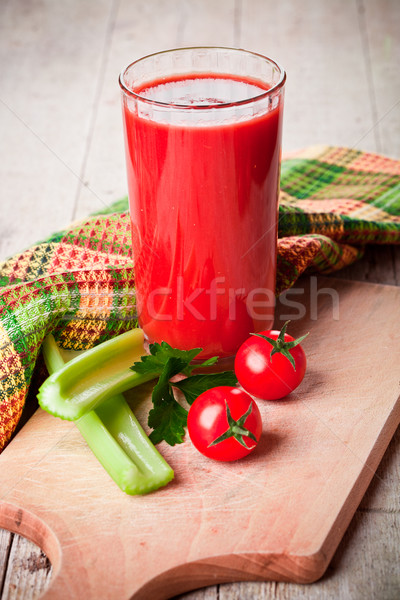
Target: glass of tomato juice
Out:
[202,133]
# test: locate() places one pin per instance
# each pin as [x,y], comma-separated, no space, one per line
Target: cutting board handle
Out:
[224,568]
[27,524]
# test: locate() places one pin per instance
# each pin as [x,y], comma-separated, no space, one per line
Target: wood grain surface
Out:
[62,157]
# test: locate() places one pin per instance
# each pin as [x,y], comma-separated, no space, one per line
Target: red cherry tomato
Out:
[224,423]
[267,373]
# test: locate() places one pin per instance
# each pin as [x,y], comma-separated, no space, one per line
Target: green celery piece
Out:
[119,443]
[93,377]
[117,439]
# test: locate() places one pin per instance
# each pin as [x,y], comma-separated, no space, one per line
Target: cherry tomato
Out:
[270,370]
[224,423]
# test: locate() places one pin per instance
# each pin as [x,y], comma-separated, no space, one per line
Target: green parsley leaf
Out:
[207,363]
[197,384]
[167,418]
[159,355]
[169,421]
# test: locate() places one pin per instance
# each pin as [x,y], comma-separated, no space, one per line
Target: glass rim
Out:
[124,87]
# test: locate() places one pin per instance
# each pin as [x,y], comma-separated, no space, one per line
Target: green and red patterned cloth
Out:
[79,284]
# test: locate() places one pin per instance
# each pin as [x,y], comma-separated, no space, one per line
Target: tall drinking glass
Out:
[203,143]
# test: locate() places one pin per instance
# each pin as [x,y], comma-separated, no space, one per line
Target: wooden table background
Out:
[62,158]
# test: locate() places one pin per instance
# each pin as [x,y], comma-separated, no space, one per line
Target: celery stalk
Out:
[93,377]
[116,438]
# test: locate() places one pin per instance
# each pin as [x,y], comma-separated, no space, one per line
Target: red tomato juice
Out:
[203,203]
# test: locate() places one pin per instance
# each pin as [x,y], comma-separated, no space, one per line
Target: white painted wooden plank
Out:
[209,593]
[382,21]
[319,45]
[380,264]
[5,547]
[49,64]
[140,29]
[207,23]
[28,572]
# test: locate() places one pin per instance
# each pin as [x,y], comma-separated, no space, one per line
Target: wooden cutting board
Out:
[278,514]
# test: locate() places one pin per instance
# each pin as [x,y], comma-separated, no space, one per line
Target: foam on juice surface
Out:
[201,91]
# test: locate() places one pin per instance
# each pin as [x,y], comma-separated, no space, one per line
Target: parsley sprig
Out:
[168,417]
